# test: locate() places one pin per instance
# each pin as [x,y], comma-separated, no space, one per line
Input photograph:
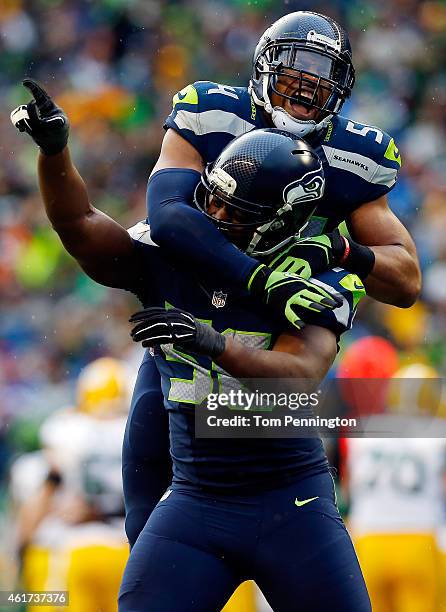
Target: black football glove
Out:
[290,297]
[45,122]
[155,326]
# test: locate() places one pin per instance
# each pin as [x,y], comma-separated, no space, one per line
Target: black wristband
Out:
[208,341]
[359,260]
[339,247]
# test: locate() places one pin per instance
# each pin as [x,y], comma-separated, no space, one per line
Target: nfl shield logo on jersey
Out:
[219,299]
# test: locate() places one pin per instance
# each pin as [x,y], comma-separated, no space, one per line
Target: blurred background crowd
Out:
[114,65]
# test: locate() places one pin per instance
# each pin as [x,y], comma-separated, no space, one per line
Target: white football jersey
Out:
[396,484]
[87,451]
[26,475]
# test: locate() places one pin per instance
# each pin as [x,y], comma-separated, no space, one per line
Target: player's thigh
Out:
[416,596]
[173,576]
[35,568]
[442,574]
[38,565]
[146,464]
[173,565]
[306,560]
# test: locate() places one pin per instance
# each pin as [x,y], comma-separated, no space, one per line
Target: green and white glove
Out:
[289,296]
[310,256]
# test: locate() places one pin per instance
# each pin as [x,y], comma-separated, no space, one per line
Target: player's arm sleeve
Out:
[150,260]
[350,289]
[186,234]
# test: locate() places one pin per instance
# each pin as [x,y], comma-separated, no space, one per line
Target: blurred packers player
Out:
[396,490]
[70,528]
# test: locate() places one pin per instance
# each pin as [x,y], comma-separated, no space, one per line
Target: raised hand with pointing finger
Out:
[42,119]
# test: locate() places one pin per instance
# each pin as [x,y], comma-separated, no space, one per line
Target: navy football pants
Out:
[146,463]
[196,548]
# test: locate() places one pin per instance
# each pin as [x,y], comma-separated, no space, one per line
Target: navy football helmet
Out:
[314,50]
[271,180]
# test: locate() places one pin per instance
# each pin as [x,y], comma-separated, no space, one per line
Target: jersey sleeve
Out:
[209,115]
[369,156]
[349,288]
[185,115]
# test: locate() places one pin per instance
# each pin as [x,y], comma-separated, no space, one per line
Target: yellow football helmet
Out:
[103,388]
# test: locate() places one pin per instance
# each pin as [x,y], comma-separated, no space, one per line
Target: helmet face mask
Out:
[269,183]
[311,54]
[319,81]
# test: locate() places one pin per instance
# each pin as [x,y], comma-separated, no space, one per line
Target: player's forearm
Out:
[308,353]
[244,362]
[67,206]
[396,277]
[63,191]
[93,238]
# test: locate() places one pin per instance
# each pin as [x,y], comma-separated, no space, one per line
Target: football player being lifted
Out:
[231,509]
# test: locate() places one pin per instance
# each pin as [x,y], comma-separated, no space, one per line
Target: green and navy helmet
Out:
[272,180]
[315,50]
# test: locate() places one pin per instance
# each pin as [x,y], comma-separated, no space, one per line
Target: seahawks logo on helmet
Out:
[310,187]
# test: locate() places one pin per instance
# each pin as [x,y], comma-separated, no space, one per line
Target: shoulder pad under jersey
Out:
[209,115]
[367,153]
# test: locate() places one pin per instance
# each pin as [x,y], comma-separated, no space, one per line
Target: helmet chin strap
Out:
[285,121]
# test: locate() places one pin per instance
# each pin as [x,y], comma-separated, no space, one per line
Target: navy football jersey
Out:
[360,162]
[187,378]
